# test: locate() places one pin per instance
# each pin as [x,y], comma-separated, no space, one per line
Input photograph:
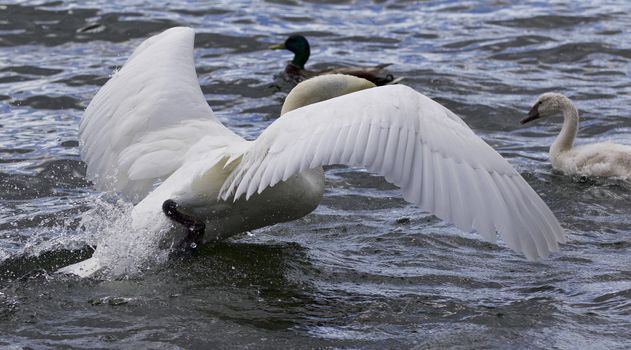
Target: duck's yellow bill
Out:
[277,47]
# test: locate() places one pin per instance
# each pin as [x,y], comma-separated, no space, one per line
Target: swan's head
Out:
[547,105]
[322,88]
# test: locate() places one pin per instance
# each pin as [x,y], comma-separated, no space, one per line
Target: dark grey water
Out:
[356,273]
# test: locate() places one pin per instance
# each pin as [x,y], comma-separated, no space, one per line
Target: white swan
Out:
[605,159]
[151,124]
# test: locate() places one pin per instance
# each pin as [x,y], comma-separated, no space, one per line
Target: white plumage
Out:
[145,120]
[150,123]
[605,159]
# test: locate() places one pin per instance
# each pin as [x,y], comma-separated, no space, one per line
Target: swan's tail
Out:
[85,268]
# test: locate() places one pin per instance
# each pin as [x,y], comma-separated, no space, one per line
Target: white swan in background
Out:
[604,159]
[150,125]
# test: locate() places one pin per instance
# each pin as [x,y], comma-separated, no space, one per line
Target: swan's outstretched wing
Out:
[418,145]
[141,124]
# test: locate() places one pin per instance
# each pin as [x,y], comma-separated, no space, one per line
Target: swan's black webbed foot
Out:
[587,180]
[194,227]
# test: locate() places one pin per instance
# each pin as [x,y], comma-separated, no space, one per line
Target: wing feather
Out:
[426,196]
[400,168]
[454,179]
[387,165]
[517,224]
[418,145]
[338,146]
[151,109]
[499,212]
[408,157]
[377,166]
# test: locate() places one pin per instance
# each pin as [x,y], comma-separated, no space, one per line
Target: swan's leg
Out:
[195,227]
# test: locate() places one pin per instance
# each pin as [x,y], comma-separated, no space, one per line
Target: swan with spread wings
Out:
[150,135]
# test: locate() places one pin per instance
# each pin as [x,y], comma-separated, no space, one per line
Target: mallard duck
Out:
[149,135]
[603,159]
[299,45]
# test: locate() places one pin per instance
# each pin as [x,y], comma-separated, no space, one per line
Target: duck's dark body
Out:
[299,45]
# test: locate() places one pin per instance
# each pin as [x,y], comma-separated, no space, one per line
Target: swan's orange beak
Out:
[532,115]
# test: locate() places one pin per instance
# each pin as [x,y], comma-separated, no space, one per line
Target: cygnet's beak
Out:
[277,47]
[532,115]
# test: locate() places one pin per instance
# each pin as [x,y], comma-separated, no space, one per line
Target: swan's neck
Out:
[565,140]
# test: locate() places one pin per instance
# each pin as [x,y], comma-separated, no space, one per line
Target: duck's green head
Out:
[299,45]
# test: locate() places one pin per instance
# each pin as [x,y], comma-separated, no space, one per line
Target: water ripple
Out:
[366,270]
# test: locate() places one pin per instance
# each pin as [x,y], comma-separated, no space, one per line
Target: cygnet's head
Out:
[322,88]
[547,104]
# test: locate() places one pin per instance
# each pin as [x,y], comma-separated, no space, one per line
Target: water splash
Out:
[125,242]
[134,243]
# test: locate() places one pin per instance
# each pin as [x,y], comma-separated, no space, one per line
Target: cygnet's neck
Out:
[565,140]
[322,88]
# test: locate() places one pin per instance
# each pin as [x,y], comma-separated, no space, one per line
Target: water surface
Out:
[366,269]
